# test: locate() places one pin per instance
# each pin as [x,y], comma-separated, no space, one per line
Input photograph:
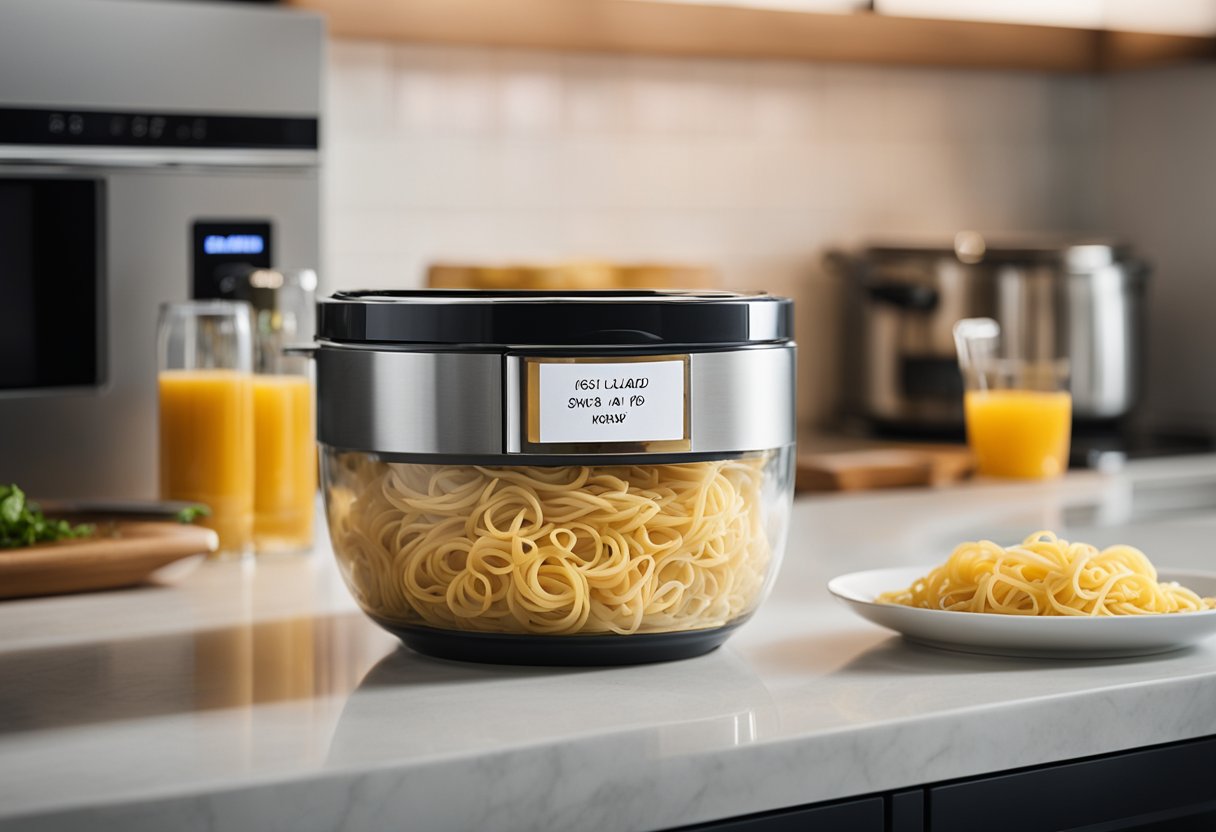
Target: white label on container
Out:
[635,401]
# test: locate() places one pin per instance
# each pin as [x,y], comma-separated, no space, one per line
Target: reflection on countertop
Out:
[721,702]
[242,665]
[256,694]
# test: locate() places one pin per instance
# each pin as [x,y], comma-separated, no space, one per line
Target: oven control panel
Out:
[93,128]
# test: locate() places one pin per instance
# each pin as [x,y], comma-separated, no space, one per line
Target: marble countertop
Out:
[255,695]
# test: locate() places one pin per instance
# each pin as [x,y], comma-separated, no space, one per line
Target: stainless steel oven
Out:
[146,151]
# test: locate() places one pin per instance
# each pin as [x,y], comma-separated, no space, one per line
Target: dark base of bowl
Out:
[560,651]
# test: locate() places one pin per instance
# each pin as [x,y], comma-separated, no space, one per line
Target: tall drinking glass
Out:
[205,361]
[1018,410]
[285,478]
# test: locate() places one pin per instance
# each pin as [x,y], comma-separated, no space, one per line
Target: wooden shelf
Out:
[650,27]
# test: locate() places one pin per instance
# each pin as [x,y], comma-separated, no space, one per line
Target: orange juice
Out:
[1019,433]
[206,448]
[285,477]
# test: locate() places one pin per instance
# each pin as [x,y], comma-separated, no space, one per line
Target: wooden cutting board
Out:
[864,470]
[123,553]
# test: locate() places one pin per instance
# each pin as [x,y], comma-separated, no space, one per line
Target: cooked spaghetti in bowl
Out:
[564,550]
[1045,575]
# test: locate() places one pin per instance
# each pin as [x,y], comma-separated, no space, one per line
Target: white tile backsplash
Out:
[361,86]
[754,167]
[361,173]
[530,90]
[444,90]
[428,171]
[1157,188]
[851,103]
[786,100]
[524,173]
[595,95]
[686,97]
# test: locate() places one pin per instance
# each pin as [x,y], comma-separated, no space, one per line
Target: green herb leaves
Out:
[12,505]
[191,513]
[22,524]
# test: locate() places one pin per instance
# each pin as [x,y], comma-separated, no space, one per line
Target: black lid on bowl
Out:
[457,319]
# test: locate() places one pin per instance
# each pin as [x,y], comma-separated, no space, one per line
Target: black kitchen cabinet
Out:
[863,815]
[1164,788]
[1160,787]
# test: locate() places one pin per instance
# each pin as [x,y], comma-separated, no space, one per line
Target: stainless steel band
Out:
[469,404]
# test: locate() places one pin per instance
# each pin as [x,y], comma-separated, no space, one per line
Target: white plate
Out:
[1034,636]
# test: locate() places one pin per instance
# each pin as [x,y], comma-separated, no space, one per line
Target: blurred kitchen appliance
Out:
[147,150]
[284,312]
[572,275]
[904,299]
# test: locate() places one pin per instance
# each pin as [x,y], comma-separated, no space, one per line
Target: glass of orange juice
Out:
[205,381]
[1018,410]
[285,474]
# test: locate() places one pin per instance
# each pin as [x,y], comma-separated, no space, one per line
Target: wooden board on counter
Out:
[652,27]
[875,468]
[123,553]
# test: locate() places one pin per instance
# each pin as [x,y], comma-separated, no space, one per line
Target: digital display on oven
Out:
[225,252]
[234,244]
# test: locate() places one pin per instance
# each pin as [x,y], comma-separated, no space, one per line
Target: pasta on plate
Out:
[552,550]
[1045,575]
